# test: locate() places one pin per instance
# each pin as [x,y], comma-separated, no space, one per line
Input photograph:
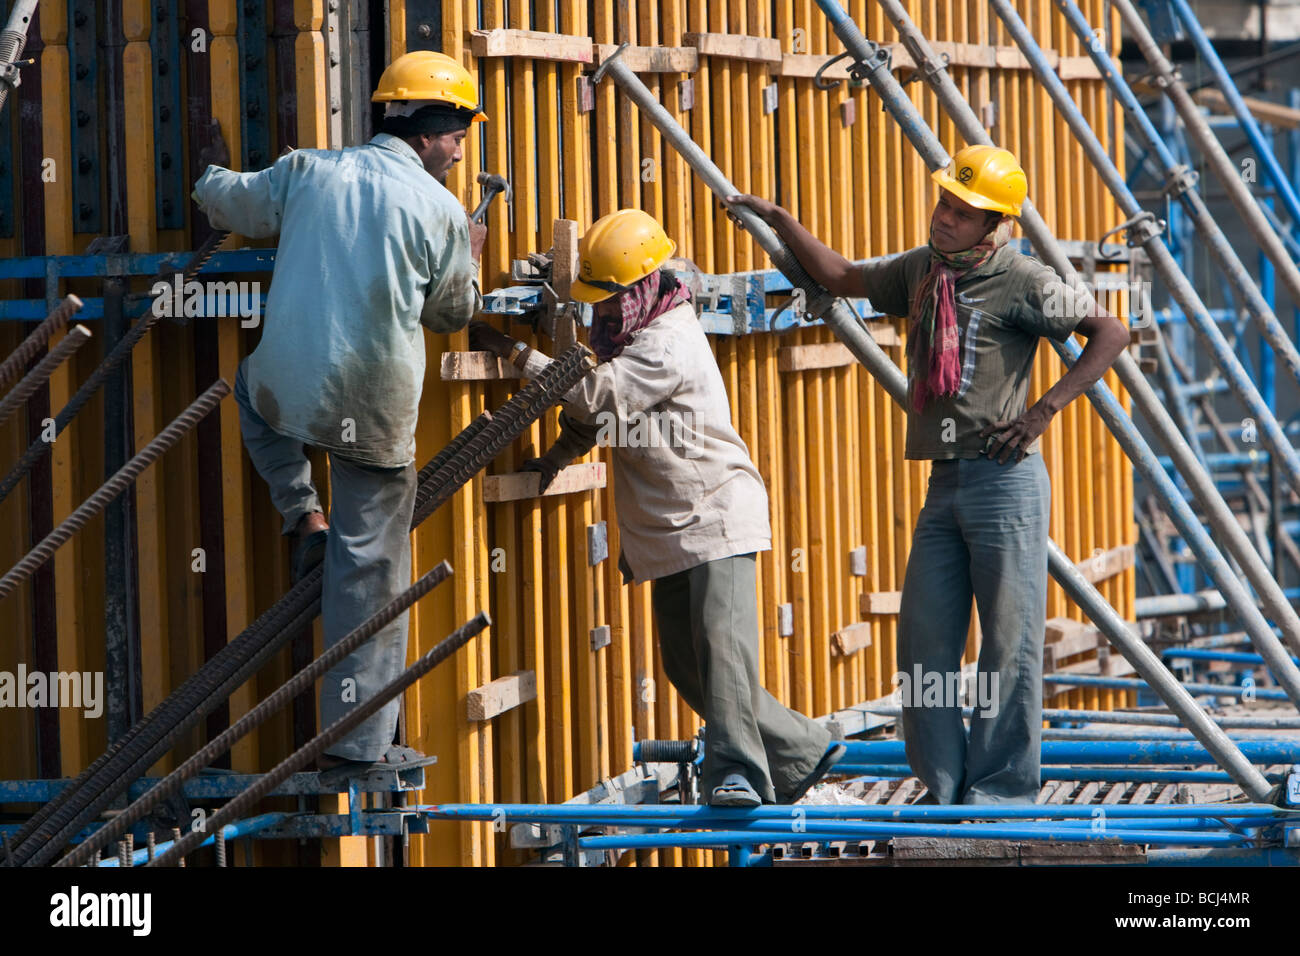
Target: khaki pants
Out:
[707,618]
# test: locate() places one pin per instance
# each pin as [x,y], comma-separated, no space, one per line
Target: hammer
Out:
[492,184]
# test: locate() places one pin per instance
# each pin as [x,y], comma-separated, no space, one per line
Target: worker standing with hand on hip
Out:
[372,247]
[976,309]
[691,506]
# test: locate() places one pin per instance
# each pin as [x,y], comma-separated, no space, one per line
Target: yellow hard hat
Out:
[426,75]
[617,251]
[986,177]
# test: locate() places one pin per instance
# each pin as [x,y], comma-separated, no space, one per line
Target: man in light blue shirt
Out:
[372,247]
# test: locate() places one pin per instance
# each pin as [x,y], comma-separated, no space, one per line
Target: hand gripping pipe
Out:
[114,486]
[336,731]
[1220,516]
[1180,182]
[59,820]
[850,330]
[13,366]
[1148,235]
[1225,170]
[37,377]
[171,784]
[120,353]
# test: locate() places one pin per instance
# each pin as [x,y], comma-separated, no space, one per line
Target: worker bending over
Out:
[691,507]
[372,246]
[976,310]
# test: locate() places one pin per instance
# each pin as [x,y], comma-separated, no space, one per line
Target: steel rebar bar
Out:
[38,376]
[12,367]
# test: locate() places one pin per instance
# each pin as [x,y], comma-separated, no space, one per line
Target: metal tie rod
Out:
[1147,234]
[1211,149]
[1181,182]
[114,486]
[51,325]
[336,731]
[851,331]
[120,353]
[38,376]
[300,682]
[1220,516]
[60,819]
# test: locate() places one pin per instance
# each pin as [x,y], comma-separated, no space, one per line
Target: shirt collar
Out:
[1000,261]
[397,145]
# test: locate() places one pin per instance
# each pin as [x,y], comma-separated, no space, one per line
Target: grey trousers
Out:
[708,638]
[367,564]
[982,532]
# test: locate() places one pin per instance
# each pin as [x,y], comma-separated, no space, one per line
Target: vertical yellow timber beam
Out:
[137,87]
[506,558]
[624,693]
[588,581]
[559,622]
[791,558]
[56,137]
[469,543]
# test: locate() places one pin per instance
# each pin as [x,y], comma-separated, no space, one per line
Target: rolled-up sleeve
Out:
[251,204]
[453,297]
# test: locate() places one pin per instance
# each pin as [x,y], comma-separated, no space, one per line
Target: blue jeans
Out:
[367,565]
[982,533]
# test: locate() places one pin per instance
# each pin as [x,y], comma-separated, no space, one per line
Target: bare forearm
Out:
[1098,355]
[828,268]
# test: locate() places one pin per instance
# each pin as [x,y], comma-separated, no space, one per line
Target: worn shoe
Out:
[335,772]
[734,791]
[834,753]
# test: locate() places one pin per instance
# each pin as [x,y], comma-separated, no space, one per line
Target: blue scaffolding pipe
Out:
[1078,774]
[1267,856]
[1132,683]
[723,839]
[1263,148]
[1259,751]
[1200,654]
[1128,716]
[231,831]
[659,814]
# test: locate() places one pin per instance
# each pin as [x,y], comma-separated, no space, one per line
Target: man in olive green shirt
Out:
[976,311]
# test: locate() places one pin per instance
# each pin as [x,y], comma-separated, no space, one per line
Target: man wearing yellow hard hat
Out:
[692,510]
[372,247]
[976,310]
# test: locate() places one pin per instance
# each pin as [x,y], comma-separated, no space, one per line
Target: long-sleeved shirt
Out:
[371,247]
[685,489]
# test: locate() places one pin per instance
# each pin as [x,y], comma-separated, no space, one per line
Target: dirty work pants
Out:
[707,618]
[981,533]
[367,564]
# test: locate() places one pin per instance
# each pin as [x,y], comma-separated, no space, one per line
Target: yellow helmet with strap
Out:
[618,251]
[426,75]
[987,177]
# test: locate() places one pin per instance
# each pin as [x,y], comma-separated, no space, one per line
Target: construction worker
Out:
[976,311]
[692,510]
[372,246]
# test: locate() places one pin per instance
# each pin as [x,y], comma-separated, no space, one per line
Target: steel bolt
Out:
[82,117]
[425,31]
[84,165]
[165,160]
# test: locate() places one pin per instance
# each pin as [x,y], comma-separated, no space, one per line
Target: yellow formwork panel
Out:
[828,442]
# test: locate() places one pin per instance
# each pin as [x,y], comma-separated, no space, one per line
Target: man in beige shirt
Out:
[691,506]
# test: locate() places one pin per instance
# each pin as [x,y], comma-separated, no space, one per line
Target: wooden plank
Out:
[807,65]
[735,46]
[654,59]
[523,484]
[532,44]
[1077,68]
[1275,113]
[799,358]
[475,367]
[1067,638]
[500,695]
[851,639]
[881,602]
[1107,564]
